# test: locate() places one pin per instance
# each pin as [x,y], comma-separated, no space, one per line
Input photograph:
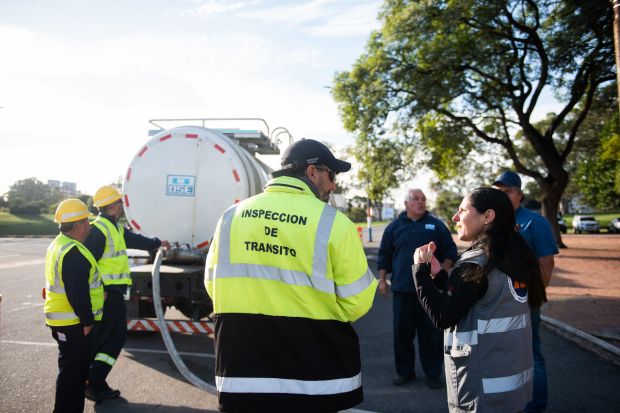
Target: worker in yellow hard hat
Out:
[108,242]
[74,299]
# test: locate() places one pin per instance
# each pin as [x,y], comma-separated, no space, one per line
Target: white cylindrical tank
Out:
[181,182]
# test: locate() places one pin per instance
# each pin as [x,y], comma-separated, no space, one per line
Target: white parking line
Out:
[25,308]
[21,264]
[7,256]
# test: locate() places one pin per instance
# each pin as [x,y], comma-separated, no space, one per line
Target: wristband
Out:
[381,279]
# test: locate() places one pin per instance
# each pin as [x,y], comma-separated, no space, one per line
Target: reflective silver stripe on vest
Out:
[504,384]
[355,287]
[68,316]
[266,272]
[110,240]
[321,240]
[460,339]
[110,277]
[56,273]
[501,325]
[223,250]
[114,254]
[209,274]
[269,385]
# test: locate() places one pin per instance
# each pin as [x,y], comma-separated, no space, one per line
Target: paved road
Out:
[149,381]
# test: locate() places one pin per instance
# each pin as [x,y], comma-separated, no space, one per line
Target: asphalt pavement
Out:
[149,380]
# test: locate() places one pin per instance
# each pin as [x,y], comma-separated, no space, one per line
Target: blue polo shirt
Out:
[400,240]
[537,232]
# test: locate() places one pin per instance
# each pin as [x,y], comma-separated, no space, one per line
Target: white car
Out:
[585,223]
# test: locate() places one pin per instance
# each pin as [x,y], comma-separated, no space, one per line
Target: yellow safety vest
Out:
[114,265]
[291,269]
[58,311]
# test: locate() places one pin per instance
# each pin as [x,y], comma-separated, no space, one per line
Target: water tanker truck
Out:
[176,188]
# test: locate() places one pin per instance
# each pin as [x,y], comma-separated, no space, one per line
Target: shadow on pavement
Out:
[122,405]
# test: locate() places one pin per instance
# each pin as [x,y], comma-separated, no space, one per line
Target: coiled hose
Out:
[163,327]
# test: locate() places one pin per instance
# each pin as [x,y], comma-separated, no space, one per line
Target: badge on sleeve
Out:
[62,337]
[430,226]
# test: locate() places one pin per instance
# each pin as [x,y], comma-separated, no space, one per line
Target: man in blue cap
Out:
[537,232]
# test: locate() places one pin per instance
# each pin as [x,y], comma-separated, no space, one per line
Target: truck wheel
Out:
[564,231]
[188,309]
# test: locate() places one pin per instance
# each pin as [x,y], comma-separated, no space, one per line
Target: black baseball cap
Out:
[306,152]
[509,178]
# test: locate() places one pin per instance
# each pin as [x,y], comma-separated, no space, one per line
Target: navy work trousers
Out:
[110,337]
[409,316]
[74,355]
[541,395]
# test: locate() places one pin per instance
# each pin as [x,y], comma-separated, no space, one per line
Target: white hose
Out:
[604,345]
[163,327]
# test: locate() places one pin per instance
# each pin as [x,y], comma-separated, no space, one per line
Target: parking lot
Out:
[148,379]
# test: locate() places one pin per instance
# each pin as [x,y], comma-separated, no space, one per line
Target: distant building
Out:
[67,189]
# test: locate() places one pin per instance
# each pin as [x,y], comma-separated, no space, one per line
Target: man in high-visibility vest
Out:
[108,242]
[287,274]
[73,302]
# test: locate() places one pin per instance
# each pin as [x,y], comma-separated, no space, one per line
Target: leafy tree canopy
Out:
[31,190]
[458,78]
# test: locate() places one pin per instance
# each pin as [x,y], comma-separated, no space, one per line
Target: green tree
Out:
[383,168]
[459,77]
[446,205]
[28,190]
[596,176]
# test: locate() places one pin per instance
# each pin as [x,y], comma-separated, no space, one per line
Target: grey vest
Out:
[488,355]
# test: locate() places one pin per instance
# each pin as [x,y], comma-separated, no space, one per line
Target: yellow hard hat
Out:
[105,196]
[71,210]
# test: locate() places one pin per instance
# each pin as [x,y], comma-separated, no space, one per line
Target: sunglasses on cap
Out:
[332,173]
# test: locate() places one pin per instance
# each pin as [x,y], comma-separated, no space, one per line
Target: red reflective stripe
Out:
[142,151]
[193,327]
[134,224]
[236,201]
[219,148]
[152,324]
[165,137]
[206,327]
[128,173]
[204,244]
[236,175]
[126,201]
[192,136]
[179,326]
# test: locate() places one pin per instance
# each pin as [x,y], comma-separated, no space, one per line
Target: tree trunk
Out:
[550,201]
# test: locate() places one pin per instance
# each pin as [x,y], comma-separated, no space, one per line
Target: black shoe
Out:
[91,394]
[435,382]
[400,380]
[109,394]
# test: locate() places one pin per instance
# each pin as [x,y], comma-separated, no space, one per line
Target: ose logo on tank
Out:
[180,185]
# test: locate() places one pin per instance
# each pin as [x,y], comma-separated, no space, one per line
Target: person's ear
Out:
[489,216]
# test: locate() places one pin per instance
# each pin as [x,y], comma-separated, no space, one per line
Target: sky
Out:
[80,79]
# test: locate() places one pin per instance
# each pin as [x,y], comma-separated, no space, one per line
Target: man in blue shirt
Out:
[413,228]
[537,232]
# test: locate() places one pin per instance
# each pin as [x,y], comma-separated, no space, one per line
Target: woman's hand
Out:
[424,254]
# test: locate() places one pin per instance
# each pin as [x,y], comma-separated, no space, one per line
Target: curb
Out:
[28,236]
[587,342]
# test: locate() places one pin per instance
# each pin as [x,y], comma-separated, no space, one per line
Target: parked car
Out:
[562,225]
[614,225]
[585,223]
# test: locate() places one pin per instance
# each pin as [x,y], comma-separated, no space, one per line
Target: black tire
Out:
[186,308]
[564,231]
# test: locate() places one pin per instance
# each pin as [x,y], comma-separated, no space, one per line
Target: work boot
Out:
[109,394]
[435,382]
[91,394]
[400,380]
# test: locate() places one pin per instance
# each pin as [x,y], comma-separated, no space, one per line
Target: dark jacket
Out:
[400,240]
[96,243]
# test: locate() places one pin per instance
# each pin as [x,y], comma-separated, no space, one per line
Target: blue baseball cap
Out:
[508,178]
